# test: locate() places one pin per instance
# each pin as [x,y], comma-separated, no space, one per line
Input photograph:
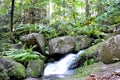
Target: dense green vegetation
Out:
[53,18]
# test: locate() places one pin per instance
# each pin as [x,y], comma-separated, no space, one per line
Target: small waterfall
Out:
[62,67]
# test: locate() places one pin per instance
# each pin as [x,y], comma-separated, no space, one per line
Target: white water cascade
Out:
[61,68]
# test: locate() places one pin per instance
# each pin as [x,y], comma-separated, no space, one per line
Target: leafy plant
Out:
[23,55]
[88,62]
[49,32]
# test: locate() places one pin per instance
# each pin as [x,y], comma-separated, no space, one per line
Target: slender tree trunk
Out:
[12,15]
[87,8]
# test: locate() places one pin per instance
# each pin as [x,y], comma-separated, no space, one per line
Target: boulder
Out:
[61,45]
[3,73]
[91,53]
[110,51]
[82,42]
[35,68]
[34,39]
[13,69]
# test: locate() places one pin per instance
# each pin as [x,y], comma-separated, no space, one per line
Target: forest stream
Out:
[63,67]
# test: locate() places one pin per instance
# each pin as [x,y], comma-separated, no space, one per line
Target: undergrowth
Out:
[23,55]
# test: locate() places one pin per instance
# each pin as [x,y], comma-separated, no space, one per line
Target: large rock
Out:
[82,42]
[61,45]
[3,73]
[34,39]
[12,69]
[35,68]
[92,53]
[110,51]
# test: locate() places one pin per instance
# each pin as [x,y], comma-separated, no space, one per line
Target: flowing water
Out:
[63,66]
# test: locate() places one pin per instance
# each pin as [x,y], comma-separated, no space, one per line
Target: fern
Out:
[23,55]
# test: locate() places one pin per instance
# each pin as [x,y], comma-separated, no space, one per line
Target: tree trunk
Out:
[12,15]
[87,9]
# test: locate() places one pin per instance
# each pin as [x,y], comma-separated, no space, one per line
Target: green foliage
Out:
[111,13]
[88,62]
[18,71]
[23,55]
[5,41]
[36,68]
[85,71]
[26,28]
[49,32]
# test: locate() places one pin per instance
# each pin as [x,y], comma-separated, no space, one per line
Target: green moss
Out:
[17,71]
[35,68]
[3,73]
[91,50]
[90,55]
[85,71]
[32,73]
[4,76]
[117,19]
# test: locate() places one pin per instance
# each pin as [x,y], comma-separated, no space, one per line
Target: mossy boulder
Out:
[91,53]
[110,51]
[14,70]
[17,71]
[34,39]
[82,42]
[3,73]
[35,68]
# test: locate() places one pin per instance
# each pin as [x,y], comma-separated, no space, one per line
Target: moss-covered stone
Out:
[3,73]
[35,68]
[91,52]
[13,69]
[18,71]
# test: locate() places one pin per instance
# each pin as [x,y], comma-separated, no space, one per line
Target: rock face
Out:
[61,45]
[82,42]
[10,69]
[110,51]
[35,68]
[34,39]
